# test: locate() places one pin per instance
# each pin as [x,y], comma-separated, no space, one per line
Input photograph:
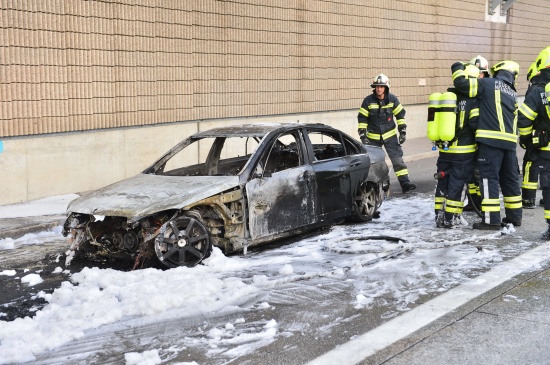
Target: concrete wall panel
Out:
[34,167]
[121,66]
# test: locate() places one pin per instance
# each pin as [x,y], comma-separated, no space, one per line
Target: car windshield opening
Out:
[210,156]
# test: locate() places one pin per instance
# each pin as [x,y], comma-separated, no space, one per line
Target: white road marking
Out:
[398,328]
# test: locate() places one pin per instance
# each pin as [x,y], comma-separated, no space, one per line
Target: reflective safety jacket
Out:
[497,97]
[377,116]
[534,80]
[534,113]
[463,145]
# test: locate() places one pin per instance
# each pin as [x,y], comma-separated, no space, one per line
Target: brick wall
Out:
[73,65]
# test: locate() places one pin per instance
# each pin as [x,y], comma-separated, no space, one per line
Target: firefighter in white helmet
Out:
[473,186]
[482,64]
[455,164]
[379,115]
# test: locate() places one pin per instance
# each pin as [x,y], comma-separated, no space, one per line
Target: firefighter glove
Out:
[402,136]
[457,66]
[526,141]
[363,135]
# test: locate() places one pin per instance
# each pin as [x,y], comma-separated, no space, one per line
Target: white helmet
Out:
[381,80]
[481,63]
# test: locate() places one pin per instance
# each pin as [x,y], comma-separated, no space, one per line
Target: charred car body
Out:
[231,187]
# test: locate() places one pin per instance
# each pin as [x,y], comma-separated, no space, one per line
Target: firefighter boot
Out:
[486,227]
[449,220]
[408,186]
[506,221]
[438,218]
[546,234]
[528,204]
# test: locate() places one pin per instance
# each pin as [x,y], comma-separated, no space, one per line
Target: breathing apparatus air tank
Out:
[433,128]
[446,121]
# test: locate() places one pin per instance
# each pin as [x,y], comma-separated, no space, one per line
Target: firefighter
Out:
[481,63]
[530,179]
[378,127]
[473,186]
[455,164]
[534,126]
[496,138]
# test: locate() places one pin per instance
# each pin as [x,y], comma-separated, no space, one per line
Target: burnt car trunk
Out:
[379,170]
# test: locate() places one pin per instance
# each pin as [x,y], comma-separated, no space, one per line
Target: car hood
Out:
[146,194]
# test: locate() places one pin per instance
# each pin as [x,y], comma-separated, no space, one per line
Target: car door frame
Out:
[332,179]
[270,214]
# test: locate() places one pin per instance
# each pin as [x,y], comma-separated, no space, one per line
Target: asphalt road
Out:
[316,315]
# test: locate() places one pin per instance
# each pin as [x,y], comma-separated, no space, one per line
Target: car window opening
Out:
[284,154]
[219,156]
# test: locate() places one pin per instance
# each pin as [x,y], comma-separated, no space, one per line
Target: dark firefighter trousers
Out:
[459,170]
[499,167]
[529,183]
[473,186]
[544,168]
[395,153]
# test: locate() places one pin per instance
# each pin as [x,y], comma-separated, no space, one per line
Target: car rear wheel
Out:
[184,241]
[365,203]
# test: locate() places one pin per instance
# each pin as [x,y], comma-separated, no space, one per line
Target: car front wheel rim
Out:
[182,242]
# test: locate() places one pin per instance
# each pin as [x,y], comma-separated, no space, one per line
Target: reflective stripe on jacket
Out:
[379,117]
[466,125]
[534,114]
[497,97]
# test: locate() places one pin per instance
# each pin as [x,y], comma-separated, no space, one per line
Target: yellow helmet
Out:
[472,71]
[381,80]
[481,63]
[543,59]
[509,66]
[532,71]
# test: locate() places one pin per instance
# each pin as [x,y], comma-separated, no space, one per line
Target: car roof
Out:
[251,130]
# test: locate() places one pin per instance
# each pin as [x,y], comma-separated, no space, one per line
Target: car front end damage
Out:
[177,235]
[103,237]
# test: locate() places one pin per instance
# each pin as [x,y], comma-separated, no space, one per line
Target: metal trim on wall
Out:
[504,6]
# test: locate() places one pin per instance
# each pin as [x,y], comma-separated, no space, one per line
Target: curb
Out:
[415,157]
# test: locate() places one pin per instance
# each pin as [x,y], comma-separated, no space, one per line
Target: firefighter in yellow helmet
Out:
[455,164]
[377,119]
[534,127]
[530,179]
[496,138]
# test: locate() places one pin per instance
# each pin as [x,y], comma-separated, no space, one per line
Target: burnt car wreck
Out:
[231,187]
